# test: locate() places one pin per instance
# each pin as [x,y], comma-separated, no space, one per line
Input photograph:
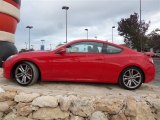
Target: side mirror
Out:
[61,51]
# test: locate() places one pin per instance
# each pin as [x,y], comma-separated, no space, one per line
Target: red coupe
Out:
[82,61]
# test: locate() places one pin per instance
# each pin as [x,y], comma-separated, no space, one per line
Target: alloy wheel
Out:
[132,78]
[24,74]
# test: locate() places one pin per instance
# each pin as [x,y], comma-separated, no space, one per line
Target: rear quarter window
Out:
[110,49]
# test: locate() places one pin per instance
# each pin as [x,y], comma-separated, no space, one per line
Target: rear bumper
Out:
[150,73]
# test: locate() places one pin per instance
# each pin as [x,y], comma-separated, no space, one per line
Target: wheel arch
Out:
[17,63]
[136,66]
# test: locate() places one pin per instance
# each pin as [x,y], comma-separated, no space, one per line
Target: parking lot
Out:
[85,88]
[157,78]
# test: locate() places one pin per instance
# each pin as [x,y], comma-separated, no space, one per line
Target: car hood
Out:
[33,54]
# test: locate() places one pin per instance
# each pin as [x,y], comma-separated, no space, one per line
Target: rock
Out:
[24,97]
[13,116]
[34,108]
[154,103]
[50,113]
[10,116]
[5,96]
[110,105]
[30,116]
[98,115]
[65,103]
[82,107]
[158,115]
[22,118]
[2,90]
[120,116]
[45,101]
[24,109]
[143,112]
[131,106]
[5,106]
[76,118]
[1,115]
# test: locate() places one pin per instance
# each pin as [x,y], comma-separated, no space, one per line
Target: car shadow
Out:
[102,85]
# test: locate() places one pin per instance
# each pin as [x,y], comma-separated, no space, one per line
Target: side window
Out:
[85,47]
[109,49]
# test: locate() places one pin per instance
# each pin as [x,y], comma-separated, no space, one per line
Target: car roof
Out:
[93,40]
[88,40]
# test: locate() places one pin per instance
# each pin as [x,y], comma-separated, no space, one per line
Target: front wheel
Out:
[131,78]
[26,73]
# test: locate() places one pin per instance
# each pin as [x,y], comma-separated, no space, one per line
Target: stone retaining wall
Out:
[17,105]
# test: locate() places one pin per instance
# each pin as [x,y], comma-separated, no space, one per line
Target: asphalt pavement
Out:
[157,77]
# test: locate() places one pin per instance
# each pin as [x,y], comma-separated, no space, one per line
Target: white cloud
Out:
[98,16]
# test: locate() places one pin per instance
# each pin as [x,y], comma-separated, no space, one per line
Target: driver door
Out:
[89,60]
[64,66]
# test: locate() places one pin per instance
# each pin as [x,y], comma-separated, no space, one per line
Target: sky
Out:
[98,16]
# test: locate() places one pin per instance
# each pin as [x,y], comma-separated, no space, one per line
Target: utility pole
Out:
[42,46]
[87,33]
[50,46]
[66,8]
[140,16]
[112,32]
[29,28]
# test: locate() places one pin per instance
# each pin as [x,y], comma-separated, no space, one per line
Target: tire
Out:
[26,73]
[131,78]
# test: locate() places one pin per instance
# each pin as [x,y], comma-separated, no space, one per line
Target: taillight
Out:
[151,60]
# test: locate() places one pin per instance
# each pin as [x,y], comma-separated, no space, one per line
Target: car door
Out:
[63,67]
[90,60]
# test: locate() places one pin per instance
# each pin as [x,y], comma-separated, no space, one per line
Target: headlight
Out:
[11,57]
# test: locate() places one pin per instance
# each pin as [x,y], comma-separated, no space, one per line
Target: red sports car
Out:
[82,61]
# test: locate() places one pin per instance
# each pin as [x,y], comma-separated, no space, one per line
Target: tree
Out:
[132,31]
[24,50]
[154,40]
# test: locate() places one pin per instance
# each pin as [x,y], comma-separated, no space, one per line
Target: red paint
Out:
[92,67]
[7,23]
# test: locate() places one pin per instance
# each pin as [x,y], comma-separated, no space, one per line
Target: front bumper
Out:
[6,71]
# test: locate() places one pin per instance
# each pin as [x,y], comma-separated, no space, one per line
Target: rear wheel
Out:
[131,78]
[26,73]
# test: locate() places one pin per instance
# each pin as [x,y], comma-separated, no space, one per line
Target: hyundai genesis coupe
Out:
[82,61]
